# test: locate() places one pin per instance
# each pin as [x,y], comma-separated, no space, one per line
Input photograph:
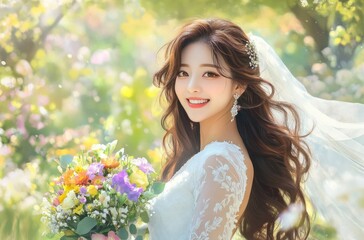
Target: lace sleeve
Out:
[218,197]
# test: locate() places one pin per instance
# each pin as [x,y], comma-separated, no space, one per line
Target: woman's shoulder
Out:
[224,151]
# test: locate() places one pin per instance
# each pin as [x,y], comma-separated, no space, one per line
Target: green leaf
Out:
[144,216]
[50,235]
[132,215]
[119,153]
[65,160]
[158,187]
[85,225]
[122,233]
[111,146]
[149,194]
[122,198]
[68,237]
[133,229]
[139,238]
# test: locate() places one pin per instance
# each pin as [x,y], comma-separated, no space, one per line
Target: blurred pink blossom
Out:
[43,100]
[23,68]
[110,236]
[100,57]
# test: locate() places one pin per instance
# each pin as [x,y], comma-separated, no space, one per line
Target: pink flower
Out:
[110,236]
[56,202]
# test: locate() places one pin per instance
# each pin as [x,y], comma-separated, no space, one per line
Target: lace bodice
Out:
[202,199]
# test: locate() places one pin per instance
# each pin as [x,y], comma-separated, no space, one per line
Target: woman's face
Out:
[203,92]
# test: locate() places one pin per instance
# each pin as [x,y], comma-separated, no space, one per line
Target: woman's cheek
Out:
[217,86]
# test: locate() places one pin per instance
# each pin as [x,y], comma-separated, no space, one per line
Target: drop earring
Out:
[234,110]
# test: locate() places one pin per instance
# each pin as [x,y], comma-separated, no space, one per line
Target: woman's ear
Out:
[240,89]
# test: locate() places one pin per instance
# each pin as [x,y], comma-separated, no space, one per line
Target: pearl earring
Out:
[234,110]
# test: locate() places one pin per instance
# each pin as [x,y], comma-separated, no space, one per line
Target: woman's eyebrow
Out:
[203,65]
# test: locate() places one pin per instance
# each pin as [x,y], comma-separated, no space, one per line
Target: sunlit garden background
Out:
[74,73]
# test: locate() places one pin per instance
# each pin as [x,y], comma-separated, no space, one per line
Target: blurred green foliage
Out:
[74,73]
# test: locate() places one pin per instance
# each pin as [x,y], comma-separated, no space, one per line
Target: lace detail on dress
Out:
[218,196]
[202,199]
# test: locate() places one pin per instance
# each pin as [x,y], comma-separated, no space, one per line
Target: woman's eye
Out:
[211,74]
[182,74]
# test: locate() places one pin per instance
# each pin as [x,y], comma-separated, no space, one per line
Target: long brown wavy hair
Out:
[278,152]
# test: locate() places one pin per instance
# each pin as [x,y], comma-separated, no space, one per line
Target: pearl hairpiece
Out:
[252,52]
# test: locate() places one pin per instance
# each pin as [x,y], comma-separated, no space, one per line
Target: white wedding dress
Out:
[202,199]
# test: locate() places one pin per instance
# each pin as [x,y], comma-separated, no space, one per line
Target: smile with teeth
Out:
[197,101]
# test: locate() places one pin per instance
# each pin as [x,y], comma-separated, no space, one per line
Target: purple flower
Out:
[143,165]
[121,183]
[82,199]
[83,190]
[95,169]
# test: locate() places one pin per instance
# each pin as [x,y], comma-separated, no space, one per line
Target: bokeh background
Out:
[74,73]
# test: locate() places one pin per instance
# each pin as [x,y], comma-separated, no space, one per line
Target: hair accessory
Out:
[234,110]
[252,52]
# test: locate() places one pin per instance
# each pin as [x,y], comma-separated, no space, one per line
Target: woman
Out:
[236,157]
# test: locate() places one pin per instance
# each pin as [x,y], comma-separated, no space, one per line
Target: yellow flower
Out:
[127,92]
[78,168]
[63,196]
[92,190]
[65,151]
[152,92]
[78,210]
[139,178]
[76,189]
[89,207]
[66,190]
[89,141]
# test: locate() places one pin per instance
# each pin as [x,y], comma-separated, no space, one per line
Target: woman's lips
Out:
[197,102]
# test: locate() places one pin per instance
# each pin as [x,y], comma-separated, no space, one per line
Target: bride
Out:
[241,135]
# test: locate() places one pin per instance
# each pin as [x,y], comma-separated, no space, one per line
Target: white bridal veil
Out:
[336,179]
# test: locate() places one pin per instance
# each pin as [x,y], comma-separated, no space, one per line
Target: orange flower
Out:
[68,177]
[110,163]
[81,178]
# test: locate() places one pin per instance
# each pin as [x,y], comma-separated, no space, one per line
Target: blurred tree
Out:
[25,26]
[336,26]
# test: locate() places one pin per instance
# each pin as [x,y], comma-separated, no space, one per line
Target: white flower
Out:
[104,199]
[70,201]
[96,147]
[291,216]
[304,3]
[113,212]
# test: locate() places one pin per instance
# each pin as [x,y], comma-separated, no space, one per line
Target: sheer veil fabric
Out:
[335,182]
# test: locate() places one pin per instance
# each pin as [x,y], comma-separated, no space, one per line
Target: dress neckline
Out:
[210,144]
[222,142]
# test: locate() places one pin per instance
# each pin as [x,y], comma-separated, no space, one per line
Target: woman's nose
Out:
[193,84]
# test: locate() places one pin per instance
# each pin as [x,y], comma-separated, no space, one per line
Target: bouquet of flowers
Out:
[100,195]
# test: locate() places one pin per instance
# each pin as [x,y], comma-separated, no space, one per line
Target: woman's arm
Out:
[221,195]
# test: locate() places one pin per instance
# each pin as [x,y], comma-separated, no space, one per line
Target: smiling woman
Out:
[226,169]
[241,134]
